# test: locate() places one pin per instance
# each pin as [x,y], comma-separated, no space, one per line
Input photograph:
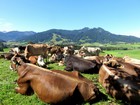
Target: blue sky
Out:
[116,16]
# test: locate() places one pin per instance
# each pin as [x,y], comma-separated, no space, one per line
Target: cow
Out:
[53,58]
[54,49]
[13,65]
[21,48]
[112,63]
[36,49]
[7,56]
[56,57]
[131,60]
[121,81]
[91,50]
[61,63]
[18,49]
[79,53]
[36,60]
[15,50]
[97,59]
[79,64]
[40,61]
[33,59]
[68,50]
[54,86]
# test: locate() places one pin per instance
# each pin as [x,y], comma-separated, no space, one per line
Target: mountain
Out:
[85,35]
[60,36]
[14,35]
[2,40]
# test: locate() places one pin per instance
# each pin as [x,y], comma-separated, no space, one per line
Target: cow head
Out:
[40,61]
[112,63]
[16,60]
[59,56]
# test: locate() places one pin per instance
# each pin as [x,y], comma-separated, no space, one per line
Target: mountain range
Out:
[14,35]
[60,36]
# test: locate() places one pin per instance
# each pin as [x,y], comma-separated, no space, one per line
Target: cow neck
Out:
[19,70]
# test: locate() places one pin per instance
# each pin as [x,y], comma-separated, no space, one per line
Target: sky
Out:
[116,16]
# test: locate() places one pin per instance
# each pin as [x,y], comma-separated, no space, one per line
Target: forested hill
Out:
[59,36]
[85,35]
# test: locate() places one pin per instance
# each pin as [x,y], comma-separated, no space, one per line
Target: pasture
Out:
[7,84]
[121,53]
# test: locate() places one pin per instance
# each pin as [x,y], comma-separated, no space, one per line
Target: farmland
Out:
[7,84]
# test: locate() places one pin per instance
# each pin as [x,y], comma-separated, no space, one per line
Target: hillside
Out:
[85,35]
[14,35]
[59,36]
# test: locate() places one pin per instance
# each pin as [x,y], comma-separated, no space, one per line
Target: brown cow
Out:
[97,59]
[56,53]
[131,60]
[68,50]
[122,82]
[36,49]
[54,87]
[33,59]
[55,49]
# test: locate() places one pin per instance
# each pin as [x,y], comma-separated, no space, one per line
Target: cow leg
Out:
[22,88]
[87,91]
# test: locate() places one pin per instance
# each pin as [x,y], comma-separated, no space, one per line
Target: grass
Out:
[7,85]
[122,53]
[9,97]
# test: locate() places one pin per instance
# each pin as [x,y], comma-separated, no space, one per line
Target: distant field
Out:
[121,53]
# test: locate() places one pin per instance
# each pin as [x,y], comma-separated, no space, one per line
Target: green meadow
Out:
[7,84]
[121,53]
[9,97]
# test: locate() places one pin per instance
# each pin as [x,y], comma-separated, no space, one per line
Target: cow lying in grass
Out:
[36,60]
[121,80]
[54,87]
[79,64]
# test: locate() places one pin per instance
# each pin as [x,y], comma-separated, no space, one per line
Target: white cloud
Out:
[5,25]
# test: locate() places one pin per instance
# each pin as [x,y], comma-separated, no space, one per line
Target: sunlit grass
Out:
[7,85]
[122,53]
[9,97]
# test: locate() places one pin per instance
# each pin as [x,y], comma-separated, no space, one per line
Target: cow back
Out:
[122,82]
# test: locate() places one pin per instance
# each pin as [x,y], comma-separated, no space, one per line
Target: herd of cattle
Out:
[119,76]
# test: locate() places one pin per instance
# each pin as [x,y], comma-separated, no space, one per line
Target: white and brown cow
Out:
[91,50]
